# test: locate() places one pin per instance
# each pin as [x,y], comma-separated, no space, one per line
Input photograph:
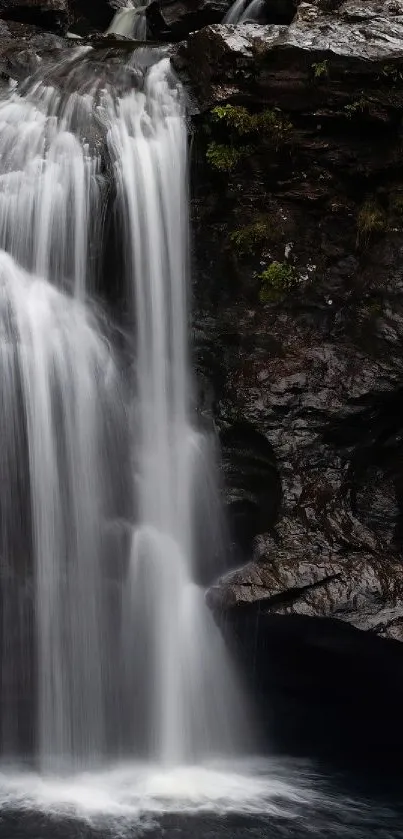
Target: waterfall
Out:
[130,21]
[245,11]
[67,387]
[103,470]
[188,674]
[49,184]
[252,13]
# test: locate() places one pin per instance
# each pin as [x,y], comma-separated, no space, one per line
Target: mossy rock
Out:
[265,229]
[371,219]
[276,280]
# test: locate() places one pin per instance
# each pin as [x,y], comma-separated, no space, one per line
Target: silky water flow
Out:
[130,21]
[104,474]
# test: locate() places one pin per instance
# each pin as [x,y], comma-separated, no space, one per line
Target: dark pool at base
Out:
[320,826]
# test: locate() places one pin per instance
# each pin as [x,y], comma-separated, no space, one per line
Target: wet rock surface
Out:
[176,18]
[49,14]
[89,17]
[310,356]
[298,262]
[260,61]
[22,49]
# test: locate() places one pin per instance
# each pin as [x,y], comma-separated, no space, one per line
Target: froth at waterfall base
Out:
[246,799]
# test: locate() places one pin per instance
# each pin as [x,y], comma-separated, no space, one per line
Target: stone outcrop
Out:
[310,357]
[83,16]
[89,16]
[176,18]
[49,14]
[295,578]
[23,48]
[251,60]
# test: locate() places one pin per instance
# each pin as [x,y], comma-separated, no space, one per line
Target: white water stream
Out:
[115,648]
[130,21]
[244,11]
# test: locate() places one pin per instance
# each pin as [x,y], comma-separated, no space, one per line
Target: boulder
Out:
[48,14]
[357,40]
[89,17]
[294,574]
[174,19]
[24,47]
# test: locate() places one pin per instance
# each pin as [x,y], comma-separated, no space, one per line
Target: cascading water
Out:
[187,668]
[130,21]
[127,656]
[49,183]
[245,11]
[57,365]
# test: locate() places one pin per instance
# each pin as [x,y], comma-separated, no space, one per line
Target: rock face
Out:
[298,255]
[297,579]
[23,47]
[227,61]
[89,16]
[176,18]
[49,14]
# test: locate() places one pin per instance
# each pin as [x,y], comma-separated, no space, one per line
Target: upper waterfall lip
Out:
[92,69]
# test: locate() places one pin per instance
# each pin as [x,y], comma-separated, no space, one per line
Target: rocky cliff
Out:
[298,250]
[299,234]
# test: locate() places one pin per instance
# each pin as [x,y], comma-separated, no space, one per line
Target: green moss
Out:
[230,125]
[321,69]
[264,228]
[371,219]
[235,117]
[222,157]
[270,124]
[359,106]
[276,280]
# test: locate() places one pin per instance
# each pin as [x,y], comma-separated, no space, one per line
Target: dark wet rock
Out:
[313,366]
[296,575]
[356,41]
[252,483]
[48,14]
[90,16]
[23,48]
[279,11]
[176,18]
